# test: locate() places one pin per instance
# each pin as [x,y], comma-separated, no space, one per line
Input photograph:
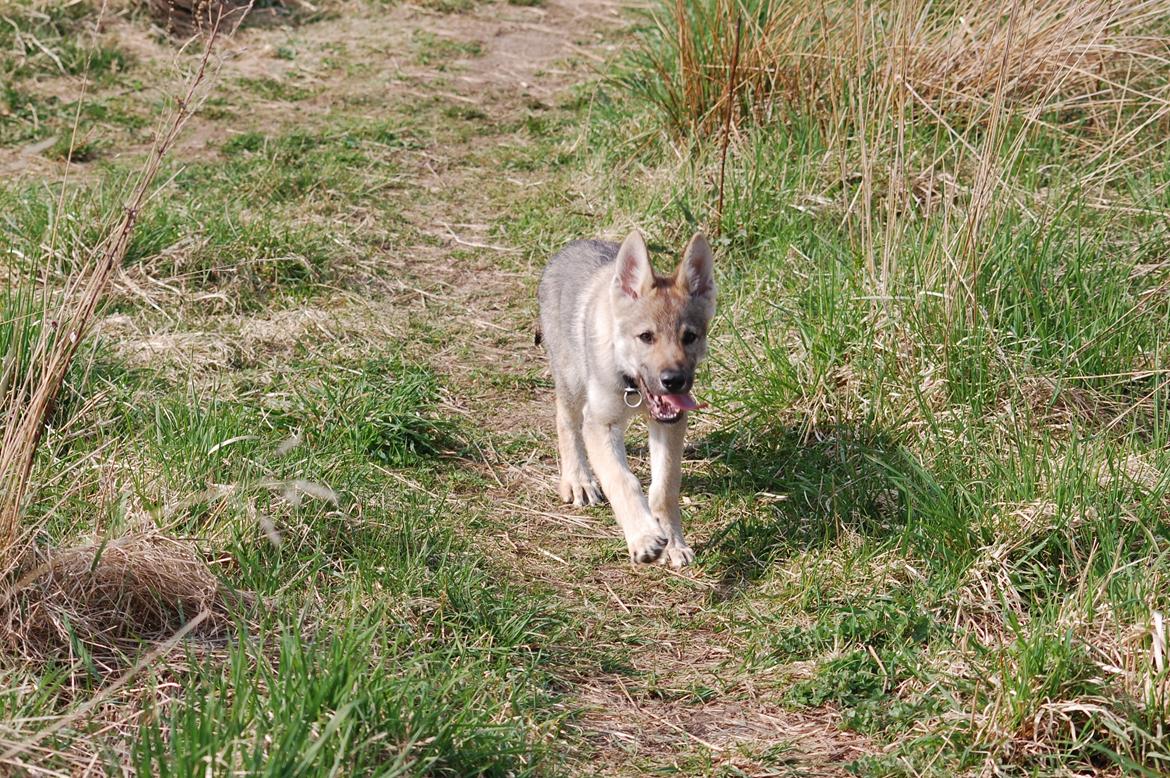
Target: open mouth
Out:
[668,408]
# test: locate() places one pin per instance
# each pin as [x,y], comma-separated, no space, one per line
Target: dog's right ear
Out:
[633,275]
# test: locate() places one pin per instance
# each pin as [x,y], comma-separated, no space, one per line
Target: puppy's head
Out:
[660,323]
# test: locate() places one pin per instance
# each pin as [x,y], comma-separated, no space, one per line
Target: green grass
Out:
[422,665]
[53,41]
[435,50]
[385,410]
[450,6]
[407,653]
[928,501]
[275,89]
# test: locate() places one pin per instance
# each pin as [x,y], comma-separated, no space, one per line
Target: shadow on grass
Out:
[791,492]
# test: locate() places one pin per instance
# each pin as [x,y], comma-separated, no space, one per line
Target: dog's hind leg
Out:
[578,485]
[666,450]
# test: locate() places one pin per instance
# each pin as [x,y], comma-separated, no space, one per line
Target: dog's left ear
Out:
[696,273]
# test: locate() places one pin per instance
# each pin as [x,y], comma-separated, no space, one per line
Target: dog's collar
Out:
[631,391]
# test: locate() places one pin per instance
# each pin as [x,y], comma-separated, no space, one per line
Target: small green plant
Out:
[389,409]
[73,149]
[275,89]
[449,6]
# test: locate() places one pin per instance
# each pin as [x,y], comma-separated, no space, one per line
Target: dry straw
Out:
[113,596]
[1075,55]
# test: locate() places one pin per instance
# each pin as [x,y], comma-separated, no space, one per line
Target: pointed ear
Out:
[696,273]
[633,275]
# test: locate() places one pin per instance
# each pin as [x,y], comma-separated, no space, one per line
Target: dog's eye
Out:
[689,337]
[646,337]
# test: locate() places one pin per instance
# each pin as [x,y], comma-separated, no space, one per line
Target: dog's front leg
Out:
[666,450]
[606,446]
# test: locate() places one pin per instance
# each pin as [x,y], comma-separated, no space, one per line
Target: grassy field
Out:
[293,510]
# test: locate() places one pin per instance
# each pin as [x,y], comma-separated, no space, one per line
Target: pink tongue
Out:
[682,402]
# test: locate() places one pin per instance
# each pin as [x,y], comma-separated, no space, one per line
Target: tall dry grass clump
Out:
[953,57]
[109,587]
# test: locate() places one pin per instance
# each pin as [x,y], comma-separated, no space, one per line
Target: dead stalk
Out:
[986,182]
[731,92]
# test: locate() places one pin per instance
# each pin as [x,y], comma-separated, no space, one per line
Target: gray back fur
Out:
[565,294]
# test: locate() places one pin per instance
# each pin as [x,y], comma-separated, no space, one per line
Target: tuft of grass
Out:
[69,149]
[433,666]
[359,700]
[449,6]
[436,50]
[275,89]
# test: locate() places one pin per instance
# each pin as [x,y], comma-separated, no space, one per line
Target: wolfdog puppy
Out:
[623,340]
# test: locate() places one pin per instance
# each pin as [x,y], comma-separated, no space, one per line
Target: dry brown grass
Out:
[115,595]
[1071,55]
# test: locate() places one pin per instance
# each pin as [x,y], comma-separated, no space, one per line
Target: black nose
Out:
[675,381]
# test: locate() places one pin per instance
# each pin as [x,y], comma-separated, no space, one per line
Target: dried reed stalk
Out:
[732,86]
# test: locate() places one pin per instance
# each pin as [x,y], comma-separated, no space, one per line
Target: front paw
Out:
[580,490]
[646,548]
[678,555]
